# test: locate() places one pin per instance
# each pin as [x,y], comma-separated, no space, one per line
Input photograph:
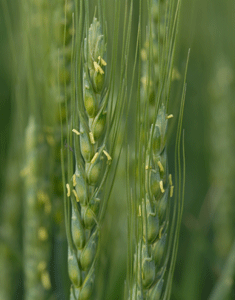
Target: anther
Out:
[42,234]
[74,180]
[103,62]
[98,69]
[76,195]
[45,278]
[25,172]
[50,140]
[160,166]
[92,138]
[75,131]
[170,179]
[161,186]
[107,155]
[170,116]
[94,157]
[139,211]
[42,266]
[68,190]
[171,191]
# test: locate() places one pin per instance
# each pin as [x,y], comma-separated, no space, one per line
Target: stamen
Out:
[74,180]
[160,166]
[68,190]
[92,138]
[94,157]
[161,186]
[107,155]
[170,179]
[76,195]
[75,131]
[171,191]
[98,68]
[103,62]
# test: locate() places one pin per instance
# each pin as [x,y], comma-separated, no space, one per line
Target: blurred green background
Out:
[207,27]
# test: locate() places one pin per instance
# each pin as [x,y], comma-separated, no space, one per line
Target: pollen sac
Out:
[87,287]
[77,230]
[161,162]
[87,149]
[98,125]
[94,170]
[89,252]
[152,223]
[158,249]
[162,205]
[81,187]
[148,269]
[156,290]
[89,98]
[73,269]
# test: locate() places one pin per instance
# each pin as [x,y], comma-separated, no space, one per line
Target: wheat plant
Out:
[154,221]
[93,190]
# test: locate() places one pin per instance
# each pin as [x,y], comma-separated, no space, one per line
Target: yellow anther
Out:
[46,282]
[143,80]
[42,234]
[171,191]
[170,179]
[94,157]
[175,74]
[98,68]
[139,211]
[50,140]
[68,190]
[42,197]
[147,167]
[103,62]
[76,195]
[92,138]
[75,131]
[47,208]
[170,116]
[25,172]
[161,186]
[42,266]
[160,166]
[74,180]
[143,54]
[107,155]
